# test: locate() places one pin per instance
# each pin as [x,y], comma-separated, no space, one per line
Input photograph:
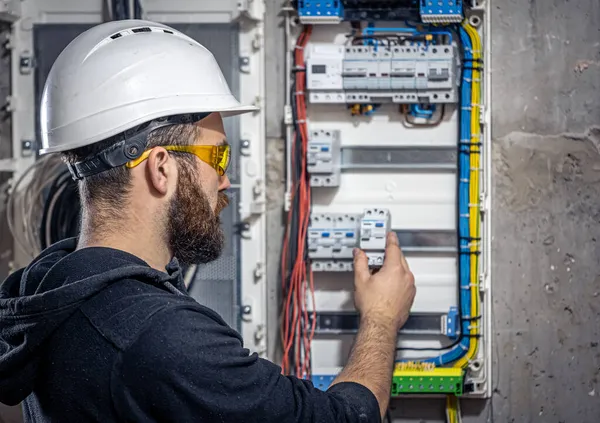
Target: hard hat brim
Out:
[233,109]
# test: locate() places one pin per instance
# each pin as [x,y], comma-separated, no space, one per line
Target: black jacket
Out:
[96,335]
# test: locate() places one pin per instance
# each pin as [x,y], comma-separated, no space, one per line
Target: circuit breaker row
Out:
[378,74]
[333,236]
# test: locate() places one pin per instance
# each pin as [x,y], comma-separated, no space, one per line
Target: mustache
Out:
[222,202]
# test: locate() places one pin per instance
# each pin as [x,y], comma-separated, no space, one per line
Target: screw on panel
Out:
[245,148]
[242,229]
[244,64]
[27,148]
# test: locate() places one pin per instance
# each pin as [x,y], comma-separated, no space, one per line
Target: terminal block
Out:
[320,11]
[447,381]
[374,226]
[429,381]
[377,75]
[441,11]
[324,158]
[322,382]
[334,11]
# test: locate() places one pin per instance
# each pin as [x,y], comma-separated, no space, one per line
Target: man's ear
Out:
[160,168]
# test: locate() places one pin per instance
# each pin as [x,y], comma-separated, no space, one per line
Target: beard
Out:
[194,228]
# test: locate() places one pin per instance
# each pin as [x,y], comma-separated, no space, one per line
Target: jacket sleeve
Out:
[189,367]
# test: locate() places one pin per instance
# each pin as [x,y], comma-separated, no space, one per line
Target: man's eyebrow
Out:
[223,142]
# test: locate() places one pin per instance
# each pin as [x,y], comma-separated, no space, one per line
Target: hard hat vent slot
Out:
[137,31]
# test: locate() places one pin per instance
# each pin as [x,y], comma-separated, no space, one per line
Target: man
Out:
[101,329]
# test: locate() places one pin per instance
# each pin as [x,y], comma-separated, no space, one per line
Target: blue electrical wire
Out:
[369,31]
[464,165]
[417,111]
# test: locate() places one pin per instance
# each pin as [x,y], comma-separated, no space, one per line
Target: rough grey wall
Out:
[546,96]
[546,117]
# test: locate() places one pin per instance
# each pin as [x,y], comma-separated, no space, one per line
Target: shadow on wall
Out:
[10,414]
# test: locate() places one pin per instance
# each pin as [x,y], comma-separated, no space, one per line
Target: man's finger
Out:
[361,265]
[393,254]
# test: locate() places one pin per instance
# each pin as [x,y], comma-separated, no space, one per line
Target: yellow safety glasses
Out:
[217,156]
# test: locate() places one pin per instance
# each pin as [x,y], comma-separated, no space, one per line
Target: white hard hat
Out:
[121,74]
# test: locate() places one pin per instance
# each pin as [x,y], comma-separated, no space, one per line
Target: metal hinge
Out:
[9,42]
[245,64]
[10,10]
[10,106]
[258,206]
[245,9]
[259,271]
[259,334]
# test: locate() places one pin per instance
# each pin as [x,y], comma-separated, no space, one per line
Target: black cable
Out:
[46,219]
[138,10]
[293,234]
[120,9]
[127,12]
[61,212]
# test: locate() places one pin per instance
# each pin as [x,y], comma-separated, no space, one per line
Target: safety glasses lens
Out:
[223,158]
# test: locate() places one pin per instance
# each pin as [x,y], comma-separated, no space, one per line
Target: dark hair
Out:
[106,191]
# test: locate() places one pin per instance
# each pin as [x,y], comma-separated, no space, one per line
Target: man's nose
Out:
[224,183]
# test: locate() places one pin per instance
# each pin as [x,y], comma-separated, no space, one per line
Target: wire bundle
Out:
[61,215]
[452,409]
[25,203]
[460,353]
[474,61]
[43,206]
[297,278]
[468,204]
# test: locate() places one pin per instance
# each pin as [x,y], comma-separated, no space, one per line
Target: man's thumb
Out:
[361,265]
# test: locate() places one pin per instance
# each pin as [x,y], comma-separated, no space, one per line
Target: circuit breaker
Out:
[370,74]
[324,158]
[374,227]
[331,239]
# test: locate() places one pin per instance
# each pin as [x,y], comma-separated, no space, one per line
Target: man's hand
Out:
[386,296]
[384,300]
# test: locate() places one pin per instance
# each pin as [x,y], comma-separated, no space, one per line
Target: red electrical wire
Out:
[295,322]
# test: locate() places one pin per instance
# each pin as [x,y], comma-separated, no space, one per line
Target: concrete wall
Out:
[546,99]
[546,69]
